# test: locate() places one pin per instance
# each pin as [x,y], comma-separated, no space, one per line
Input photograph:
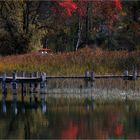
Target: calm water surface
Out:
[74,121]
[119,120]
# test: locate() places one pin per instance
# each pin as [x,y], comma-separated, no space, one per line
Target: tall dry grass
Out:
[73,63]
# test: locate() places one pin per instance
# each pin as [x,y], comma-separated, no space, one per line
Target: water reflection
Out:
[70,130]
[104,122]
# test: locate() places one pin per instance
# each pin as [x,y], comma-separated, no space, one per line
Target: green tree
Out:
[22,25]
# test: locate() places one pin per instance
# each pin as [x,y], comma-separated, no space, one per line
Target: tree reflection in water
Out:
[71,131]
[106,121]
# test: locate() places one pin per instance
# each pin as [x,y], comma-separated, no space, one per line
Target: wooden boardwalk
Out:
[34,80]
[38,79]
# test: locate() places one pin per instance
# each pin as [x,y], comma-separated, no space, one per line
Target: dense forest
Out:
[27,25]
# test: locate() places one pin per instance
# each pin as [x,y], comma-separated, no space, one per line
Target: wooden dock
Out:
[38,79]
[89,76]
[35,81]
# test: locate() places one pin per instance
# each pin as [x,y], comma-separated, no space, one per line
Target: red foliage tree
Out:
[118,4]
[69,6]
[107,10]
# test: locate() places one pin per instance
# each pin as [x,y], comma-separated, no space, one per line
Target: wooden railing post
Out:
[42,92]
[125,74]
[134,73]
[35,90]
[14,91]
[92,74]
[31,91]
[4,93]
[87,77]
[92,78]
[23,92]
[126,78]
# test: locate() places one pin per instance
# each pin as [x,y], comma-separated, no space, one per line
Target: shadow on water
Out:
[119,120]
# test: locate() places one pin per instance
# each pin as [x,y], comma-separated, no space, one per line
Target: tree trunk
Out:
[26,17]
[79,35]
[87,23]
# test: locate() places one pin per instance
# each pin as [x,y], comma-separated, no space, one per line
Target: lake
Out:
[106,121]
[68,117]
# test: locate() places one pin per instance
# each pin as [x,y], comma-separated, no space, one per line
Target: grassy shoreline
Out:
[73,63]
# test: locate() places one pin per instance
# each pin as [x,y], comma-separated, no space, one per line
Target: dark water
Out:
[68,118]
[105,121]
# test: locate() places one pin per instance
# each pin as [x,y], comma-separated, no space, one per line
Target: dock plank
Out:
[38,79]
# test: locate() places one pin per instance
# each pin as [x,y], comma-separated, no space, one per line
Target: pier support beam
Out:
[4,93]
[134,73]
[14,91]
[92,77]
[125,73]
[23,92]
[87,77]
[42,92]
[35,90]
[31,91]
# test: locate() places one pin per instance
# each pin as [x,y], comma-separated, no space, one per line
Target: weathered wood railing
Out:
[89,78]
[34,80]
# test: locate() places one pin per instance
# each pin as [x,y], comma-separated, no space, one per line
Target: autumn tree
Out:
[131,22]
[91,12]
[22,25]
[67,24]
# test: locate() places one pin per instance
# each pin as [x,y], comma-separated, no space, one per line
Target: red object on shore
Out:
[44,49]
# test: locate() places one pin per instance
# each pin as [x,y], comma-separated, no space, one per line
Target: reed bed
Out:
[73,63]
[75,92]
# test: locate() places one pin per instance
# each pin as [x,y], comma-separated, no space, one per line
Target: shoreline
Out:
[73,63]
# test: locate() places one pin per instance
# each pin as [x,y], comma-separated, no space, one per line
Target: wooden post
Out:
[4,93]
[134,77]
[42,92]
[14,91]
[125,78]
[134,73]
[87,77]
[125,73]
[92,78]
[23,93]
[31,91]
[35,90]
